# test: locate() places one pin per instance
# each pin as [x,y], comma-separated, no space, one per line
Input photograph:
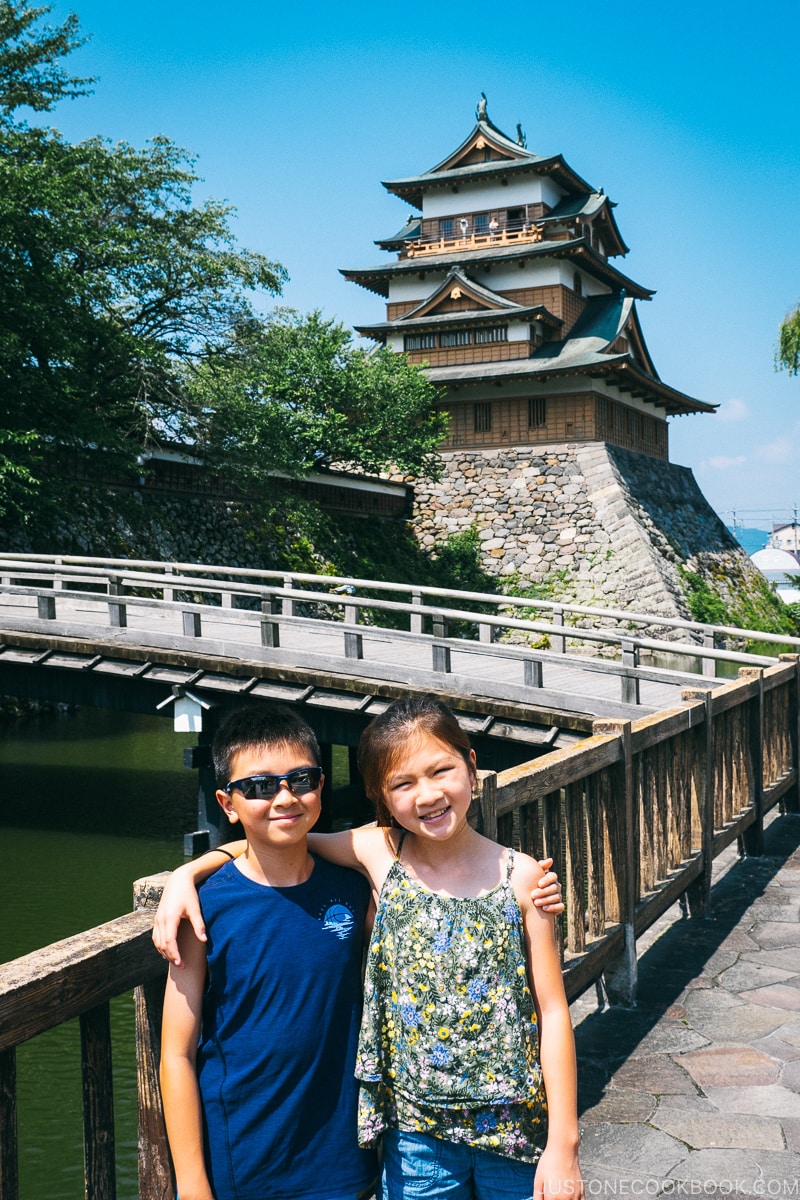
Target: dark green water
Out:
[89,801]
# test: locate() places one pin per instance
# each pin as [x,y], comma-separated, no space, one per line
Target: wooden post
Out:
[441,654]
[575,873]
[168,592]
[192,626]
[46,607]
[533,672]
[415,619]
[486,797]
[620,977]
[117,611]
[98,1104]
[485,633]
[155,1170]
[353,642]
[9,1164]
[753,837]
[630,684]
[557,643]
[703,784]
[709,664]
[792,798]
[288,604]
[270,630]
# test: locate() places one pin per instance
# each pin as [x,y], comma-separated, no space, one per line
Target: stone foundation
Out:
[590,523]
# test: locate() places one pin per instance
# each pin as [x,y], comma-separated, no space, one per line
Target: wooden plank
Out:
[595,859]
[59,982]
[664,725]
[155,1169]
[581,972]
[98,1104]
[703,784]
[731,695]
[9,1161]
[575,871]
[620,975]
[555,770]
[651,907]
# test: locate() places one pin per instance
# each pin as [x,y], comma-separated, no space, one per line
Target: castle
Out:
[502,286]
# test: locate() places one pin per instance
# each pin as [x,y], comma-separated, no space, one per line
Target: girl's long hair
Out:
[387,738]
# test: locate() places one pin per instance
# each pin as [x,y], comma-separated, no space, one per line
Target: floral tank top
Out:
[449,1041]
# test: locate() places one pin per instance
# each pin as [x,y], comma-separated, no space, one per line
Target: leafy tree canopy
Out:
[787,356]
[31,75]
[293,392]
[127,315]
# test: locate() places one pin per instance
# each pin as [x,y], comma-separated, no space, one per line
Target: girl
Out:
[466,1056]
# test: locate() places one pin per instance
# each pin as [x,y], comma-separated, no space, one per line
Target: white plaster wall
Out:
[477,196]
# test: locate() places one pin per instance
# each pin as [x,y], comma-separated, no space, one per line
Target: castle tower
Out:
[557,456]
[504,288]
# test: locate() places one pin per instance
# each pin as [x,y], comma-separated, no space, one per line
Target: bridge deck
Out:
[321,643]
[696,1091]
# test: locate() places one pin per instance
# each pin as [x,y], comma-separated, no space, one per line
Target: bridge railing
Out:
[276,600]
[634,815]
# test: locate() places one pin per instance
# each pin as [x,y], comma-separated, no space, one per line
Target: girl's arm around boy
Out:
[558,1175]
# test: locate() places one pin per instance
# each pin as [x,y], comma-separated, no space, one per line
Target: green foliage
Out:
[787,355]
[110,279]
[705,604]
[127,319]
[30,73]
[292,392]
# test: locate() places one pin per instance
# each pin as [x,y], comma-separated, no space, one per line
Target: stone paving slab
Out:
[696,1091]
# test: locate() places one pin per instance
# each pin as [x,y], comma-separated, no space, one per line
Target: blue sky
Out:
[685,113]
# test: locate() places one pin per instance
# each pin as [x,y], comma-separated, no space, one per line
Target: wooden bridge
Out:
[634,811]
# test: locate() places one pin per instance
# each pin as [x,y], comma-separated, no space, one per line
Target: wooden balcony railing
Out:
[472,240]
[634,815]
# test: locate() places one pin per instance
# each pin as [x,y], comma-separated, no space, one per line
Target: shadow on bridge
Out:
[717,1021]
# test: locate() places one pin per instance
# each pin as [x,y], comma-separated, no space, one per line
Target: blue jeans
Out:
[419,1167]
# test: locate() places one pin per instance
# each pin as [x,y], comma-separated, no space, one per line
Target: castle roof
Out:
[585,351]
[376,279]
[489,308]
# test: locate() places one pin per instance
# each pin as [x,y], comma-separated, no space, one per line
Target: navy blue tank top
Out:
[280,1023]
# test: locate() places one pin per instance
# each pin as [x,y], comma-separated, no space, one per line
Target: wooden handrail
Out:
[635,816]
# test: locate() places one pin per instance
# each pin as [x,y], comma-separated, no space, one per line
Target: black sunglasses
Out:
[264,787]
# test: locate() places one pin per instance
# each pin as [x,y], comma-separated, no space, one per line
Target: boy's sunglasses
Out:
[264,787]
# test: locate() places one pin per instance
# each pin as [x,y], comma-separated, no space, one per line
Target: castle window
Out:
[515,218]
[577,286]
[456,337]
[537,412]
[419,341]
[493,333]
[481,224]
[482,414]
[447,229]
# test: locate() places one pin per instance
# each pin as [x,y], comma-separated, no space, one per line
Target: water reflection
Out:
[89,801]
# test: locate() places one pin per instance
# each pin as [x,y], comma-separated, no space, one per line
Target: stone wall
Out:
[590,523]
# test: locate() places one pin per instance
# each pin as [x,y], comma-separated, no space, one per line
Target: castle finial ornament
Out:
[480,111]
[521,139]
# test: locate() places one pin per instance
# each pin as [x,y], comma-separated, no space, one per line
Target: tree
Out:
[128,319]
[293,393]
[787,355]
[111,281]
[31,75]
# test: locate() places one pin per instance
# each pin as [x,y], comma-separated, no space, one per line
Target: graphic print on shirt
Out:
[339,920]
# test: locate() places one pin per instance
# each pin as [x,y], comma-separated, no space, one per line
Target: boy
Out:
[260,1027]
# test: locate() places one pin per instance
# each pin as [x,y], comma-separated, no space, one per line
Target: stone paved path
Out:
[696,1091]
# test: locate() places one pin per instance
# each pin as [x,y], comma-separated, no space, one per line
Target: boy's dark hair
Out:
[386,739]
[256,726]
